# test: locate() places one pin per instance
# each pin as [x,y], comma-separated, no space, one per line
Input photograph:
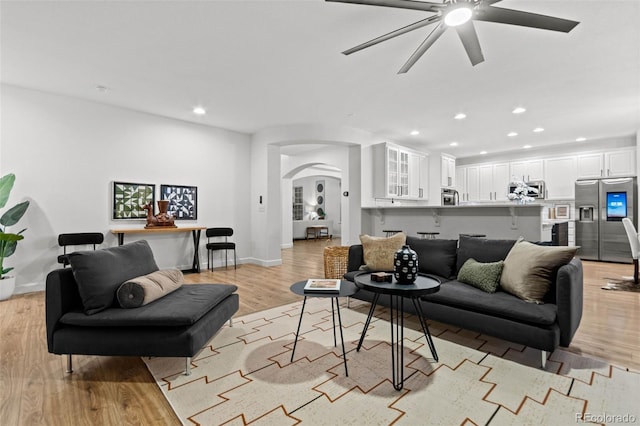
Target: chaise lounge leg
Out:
[69,364]
[543,363]
[187,366]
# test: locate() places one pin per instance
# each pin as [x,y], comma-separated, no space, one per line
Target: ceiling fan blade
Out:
[469,38]
[400,4]
[426,44]
[524,19]
[393,34]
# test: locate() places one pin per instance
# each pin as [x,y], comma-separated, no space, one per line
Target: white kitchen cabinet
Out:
[447,171]
[620,163]
[493,181]
[467,183]
[590,165]
[403,175]
[560,175]
[609,164]
[528,170]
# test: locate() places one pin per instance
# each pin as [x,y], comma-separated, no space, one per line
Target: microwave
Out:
[539,185]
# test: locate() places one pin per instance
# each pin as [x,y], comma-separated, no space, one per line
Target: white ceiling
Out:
[264,63]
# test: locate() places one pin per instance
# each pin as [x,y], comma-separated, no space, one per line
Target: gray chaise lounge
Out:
[176,325]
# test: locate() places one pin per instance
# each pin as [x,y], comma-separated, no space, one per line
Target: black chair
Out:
[77,239]
[219,245]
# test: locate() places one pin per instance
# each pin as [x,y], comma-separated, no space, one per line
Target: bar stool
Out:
[428,235]
[391,232]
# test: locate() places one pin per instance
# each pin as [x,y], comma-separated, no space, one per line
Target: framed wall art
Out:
[562,211]
[130,198]
[183,201]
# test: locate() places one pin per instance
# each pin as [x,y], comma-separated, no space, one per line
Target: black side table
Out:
[347,288]
[397,293]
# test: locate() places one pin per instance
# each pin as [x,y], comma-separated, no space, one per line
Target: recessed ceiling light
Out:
[102,89]
[527,146]
[199,110]
[581,139]
[483,152]
[518,110]
[415,133]
[538,129]
[512,134]
[453,144]
[460,116]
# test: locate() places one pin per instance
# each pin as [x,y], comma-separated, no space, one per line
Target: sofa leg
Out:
[187,366]
[230,322]
[69,364]
[543,360]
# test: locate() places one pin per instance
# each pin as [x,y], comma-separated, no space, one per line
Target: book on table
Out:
[322,285]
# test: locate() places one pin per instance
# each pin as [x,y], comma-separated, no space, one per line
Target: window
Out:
[298,203]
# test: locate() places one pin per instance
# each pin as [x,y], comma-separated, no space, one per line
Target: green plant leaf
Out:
[5,271]
[6,183]
[13,215]
[10,237]
[9,248]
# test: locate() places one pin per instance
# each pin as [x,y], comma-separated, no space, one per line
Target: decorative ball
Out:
[405,265]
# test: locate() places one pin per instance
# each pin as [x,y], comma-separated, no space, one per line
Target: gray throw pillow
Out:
[99,273]
[485,276]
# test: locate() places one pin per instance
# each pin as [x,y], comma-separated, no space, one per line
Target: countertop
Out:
[461,206]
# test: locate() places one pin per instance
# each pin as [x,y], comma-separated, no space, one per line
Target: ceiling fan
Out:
[459,14]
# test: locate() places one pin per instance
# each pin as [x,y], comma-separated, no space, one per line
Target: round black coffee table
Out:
[347,288]
[397,293]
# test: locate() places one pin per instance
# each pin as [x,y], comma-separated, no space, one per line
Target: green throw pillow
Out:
[485,276]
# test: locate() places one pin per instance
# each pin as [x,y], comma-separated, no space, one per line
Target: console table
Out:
[195,233]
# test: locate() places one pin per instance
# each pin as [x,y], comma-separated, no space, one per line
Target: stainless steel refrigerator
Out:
[601,204]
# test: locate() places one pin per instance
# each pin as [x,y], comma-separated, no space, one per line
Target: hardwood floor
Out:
[35,390]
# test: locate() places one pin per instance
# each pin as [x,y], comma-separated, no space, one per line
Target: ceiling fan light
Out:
[458,16]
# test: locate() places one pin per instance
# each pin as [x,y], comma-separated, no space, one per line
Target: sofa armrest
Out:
[569,291]
[61,296]
[356,258]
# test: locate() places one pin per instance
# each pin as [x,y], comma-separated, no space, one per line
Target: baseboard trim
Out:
[29,288]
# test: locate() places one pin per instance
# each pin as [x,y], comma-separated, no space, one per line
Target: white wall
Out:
[67,152]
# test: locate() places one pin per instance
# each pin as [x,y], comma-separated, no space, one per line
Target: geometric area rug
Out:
[244,376]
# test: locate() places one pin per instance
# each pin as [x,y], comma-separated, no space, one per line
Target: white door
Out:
[461,182]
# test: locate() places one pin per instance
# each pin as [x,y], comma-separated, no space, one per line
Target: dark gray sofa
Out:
[541,326]
[176,325]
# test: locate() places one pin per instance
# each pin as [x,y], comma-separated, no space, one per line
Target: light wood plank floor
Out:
[35,390]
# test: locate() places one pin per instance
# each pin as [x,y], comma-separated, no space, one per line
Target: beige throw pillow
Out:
[378,251]
[529,268]
[145,289]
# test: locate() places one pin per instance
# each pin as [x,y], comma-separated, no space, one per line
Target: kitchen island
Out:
[495,220]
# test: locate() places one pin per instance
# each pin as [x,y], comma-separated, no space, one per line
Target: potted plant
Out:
[8,241]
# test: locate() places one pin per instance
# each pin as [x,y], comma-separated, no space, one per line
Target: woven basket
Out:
[335,261]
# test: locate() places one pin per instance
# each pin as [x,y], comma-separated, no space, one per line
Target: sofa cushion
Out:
[498,304]
[485,276]
[529,269]
[437,257]
[482,249]
[143,290]
[183,307]
[379,251]
[99,273]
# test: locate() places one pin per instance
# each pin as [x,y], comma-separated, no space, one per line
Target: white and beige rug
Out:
[244,376]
